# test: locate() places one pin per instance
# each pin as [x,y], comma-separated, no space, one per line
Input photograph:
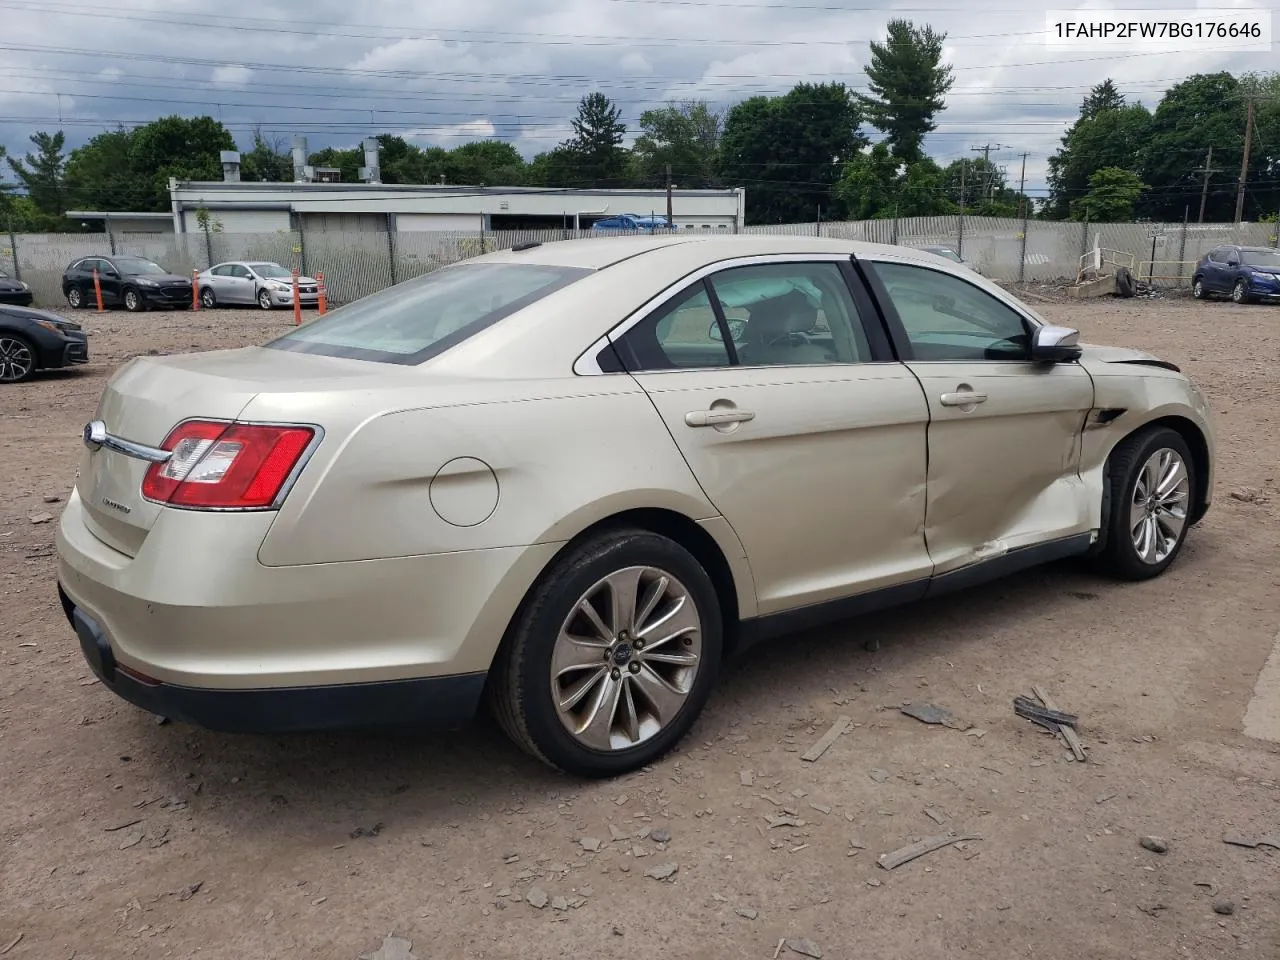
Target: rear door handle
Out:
[715,418]
[964,398]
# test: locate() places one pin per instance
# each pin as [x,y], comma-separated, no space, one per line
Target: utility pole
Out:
[1022,183]
[1244,163]
[670,219]
[963,164]
[985,150]
[1204,188]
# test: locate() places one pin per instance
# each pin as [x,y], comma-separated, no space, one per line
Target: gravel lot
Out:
[321,846]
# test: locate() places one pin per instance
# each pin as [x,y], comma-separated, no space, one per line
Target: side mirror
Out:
[1233,261]
[1055,345]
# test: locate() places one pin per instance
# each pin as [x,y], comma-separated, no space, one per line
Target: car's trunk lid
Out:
[150,396]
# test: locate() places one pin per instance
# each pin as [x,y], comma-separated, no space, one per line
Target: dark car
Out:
[134,282]
[1246,274]
[14,291]
[32,340]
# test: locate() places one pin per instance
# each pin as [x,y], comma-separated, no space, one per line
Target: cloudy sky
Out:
[443,73]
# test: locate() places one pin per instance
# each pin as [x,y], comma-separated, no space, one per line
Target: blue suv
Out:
[631,223]
[1246,274]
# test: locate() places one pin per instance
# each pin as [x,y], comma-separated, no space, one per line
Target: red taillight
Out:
[226,465]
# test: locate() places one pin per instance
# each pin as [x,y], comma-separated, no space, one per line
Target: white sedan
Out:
[569,479]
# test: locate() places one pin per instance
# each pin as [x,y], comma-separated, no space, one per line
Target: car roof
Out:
[597,253]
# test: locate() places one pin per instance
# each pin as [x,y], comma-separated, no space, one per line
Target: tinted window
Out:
[270,270]
[784,314]
[1219,255]
[683,332]
[947,318]
[239,271]
[418,319]
[1260,258]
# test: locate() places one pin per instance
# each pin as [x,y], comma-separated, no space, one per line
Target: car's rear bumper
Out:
[447,701]
[227,642]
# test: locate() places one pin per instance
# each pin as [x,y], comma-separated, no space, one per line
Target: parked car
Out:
[32,340]
[14,291]
[570,478]
[255,281]
[631,223]
[132,282]
[1247,274]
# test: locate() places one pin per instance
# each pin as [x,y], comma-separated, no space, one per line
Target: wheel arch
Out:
[676,526]
[1196,441]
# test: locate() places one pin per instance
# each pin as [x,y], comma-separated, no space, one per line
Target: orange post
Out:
[297,301]
[323,303]
[97,289]
[195,289]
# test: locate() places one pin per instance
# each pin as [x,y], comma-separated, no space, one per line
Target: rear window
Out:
[419,319]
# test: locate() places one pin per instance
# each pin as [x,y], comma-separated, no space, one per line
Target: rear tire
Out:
[1152,478]
[76,298]
[612,656]
[1198,289]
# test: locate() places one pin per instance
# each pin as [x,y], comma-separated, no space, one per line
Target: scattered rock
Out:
[664,871]
[52,499]
[373,831]
[661,835]
[805,947]
[1155,844]
[537,898]
[393,948]
[1224,908]
[934,815]
[38,518]
[590,844]
[746,778]
[880,776]
[746,912]
[560,903]
[188,892]
[132,838]
[1103,797]
[617,834]
[928,713]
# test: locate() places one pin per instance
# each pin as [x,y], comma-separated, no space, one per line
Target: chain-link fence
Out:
[356,264]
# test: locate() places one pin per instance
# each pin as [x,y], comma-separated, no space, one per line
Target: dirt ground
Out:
[321,846]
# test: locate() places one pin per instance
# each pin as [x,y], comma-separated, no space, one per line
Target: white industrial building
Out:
[314,202]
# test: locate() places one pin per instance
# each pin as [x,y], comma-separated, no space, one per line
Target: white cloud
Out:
[232,75]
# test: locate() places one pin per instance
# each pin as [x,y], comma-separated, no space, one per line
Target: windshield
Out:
[137,265]
[270,271]
[419,319]
[1260,258]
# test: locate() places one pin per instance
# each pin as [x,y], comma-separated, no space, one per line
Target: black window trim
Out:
[602,358]
[898,331]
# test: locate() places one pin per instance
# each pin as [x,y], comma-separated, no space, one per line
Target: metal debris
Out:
[1238,841]
[1066,731]
[928,713]
[1051,720]
[827,739]
[913,850]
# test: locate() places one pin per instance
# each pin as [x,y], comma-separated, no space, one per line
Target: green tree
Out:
[1113,193]
[596,145]
[490,163]
[790,151]
[1103,96]
[100,175]
[684,136]
[554,168]
[1106,136]
[267,161]
[909,83]
[42,173]
[922,191]
[1202,111]
[185,148]
[868,188]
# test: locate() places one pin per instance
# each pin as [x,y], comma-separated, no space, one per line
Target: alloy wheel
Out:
[207,299]
[1158,507]
[1238,292]
[264,299]
[626,658]
[16,360]
[131,301]
[75,298]
[1197,289]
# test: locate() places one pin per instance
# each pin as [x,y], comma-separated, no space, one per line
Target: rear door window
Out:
[421,318]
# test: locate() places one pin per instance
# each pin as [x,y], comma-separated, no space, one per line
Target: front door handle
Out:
[716,418]
[964,398]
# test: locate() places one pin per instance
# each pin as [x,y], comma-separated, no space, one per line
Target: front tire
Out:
[17,358]
[132,300]
[612,657]
[264,299]
[1240,292]
[1152,478]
